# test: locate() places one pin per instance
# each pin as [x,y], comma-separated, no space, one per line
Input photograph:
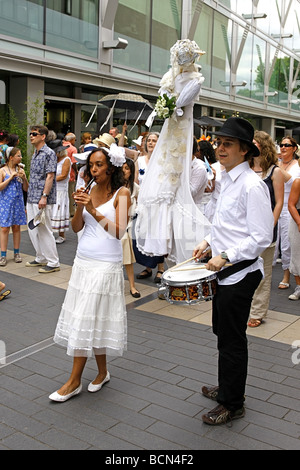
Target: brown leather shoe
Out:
[210,392]
[220,415]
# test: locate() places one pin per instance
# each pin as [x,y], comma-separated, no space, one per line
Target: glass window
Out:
[73,26]
[244,7]
[229,4]
[271,25]
[133,23]
[222,36]
[295,16]
[22,19]
[237,6]
[258,68]
[166,26]
[244,61]
[279,81]
[149,41]
[203,37]
[292,26]
[86,10]
[58,89]
[89,95]
[296,88]
[59,117]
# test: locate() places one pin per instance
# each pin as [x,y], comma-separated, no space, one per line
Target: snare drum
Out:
[188,286]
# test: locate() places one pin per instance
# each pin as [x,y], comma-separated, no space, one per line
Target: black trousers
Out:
[231,308]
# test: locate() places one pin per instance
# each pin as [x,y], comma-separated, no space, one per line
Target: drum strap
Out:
[235,268]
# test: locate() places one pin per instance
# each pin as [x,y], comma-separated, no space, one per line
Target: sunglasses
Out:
[286,145]
[218,144]
[34,134]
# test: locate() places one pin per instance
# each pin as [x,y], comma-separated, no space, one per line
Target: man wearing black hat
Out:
[242,228]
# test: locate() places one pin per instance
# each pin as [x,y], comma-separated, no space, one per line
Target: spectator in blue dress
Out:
[12,210]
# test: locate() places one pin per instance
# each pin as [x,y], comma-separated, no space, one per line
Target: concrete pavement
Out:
[153,400]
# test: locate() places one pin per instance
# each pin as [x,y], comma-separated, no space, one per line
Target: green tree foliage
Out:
[33,115]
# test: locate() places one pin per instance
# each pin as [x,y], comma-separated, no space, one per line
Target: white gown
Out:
[169,222]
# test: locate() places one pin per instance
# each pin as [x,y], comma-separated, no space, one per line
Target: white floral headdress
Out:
[182,55]
[184,52]
[116,155]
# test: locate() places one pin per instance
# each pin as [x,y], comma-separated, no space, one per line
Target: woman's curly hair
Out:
[268,151]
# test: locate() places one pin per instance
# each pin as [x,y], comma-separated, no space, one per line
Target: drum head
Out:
[187,275]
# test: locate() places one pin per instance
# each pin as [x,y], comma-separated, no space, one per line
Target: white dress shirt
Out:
[243,222]
[198,180]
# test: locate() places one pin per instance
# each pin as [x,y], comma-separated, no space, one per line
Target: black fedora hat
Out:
[240,129]
[57,145]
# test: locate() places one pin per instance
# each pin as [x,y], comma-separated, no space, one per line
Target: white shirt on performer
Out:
[243,222]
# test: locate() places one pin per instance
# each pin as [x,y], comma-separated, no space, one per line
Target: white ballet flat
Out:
[55,396]
[94,388]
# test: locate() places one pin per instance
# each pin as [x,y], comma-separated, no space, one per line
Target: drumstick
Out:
[200,267]
[180,264]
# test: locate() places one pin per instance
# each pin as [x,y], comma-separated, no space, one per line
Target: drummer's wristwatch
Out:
[224,255]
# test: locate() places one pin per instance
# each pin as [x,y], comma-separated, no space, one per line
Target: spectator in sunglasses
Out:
[291,170]
[42,195]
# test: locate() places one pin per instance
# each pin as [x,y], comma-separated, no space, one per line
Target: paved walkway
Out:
[153,401]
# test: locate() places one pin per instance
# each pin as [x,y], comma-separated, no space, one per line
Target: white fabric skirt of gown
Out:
[93,317]
[60,219]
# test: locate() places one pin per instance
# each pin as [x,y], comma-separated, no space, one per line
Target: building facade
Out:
[70,53]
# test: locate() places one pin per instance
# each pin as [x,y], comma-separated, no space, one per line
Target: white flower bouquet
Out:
[165,106]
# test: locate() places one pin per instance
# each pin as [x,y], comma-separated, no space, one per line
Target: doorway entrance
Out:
[59,117]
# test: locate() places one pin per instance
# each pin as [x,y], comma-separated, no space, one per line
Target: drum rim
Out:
[171,282]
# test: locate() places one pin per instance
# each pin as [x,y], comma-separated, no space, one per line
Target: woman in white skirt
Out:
[93,315]
[60,219]
[294,235]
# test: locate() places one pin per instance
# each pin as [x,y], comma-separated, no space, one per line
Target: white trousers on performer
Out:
[42,237]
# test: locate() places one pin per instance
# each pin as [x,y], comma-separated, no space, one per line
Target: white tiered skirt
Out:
[60,219]
[93,316]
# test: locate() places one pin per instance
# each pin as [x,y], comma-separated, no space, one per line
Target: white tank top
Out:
[97,243]
[63,184]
